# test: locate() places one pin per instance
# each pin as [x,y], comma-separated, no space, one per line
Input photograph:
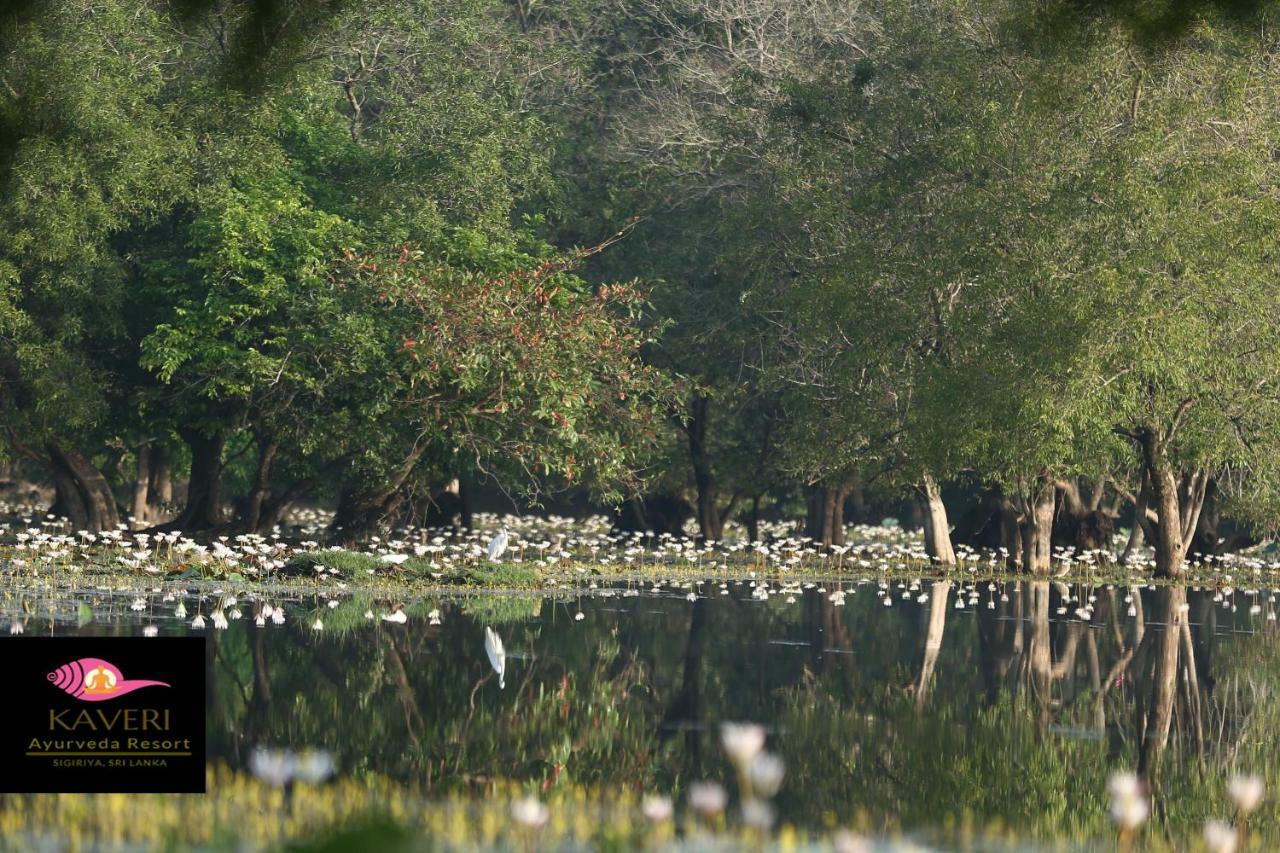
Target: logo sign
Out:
[103,714]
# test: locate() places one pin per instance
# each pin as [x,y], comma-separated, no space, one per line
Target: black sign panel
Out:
[102,714]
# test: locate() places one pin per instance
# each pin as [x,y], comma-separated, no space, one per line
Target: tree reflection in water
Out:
[1013,708]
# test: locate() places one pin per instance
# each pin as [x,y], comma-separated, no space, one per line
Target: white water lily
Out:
[1219,836]
[656,808]
[1246,792]
[758,814]
[742,741]
[273,766]
[766,774]
[198,621]
[708,798]
[1129,807]
[530,812]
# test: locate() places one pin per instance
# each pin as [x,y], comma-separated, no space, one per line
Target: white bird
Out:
[497,655]
[498,545]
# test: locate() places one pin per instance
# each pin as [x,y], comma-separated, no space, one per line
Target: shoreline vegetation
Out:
[547,556]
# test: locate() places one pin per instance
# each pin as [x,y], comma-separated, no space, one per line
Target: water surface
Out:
[918,705]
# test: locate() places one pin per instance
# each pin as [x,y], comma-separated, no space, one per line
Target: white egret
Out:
[497,654]
[498,545]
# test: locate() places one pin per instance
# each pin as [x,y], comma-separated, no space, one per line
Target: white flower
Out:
[766,774]
[317,625]
[1129,812]
[277,616]
[656,808]
[707,798]
[529,812]
[1123,785]
[396,616]
[150,631]
[1219,837]
[219,620]
[579,616]
[742,741]
[757,813]
[433,618]
[181,610]
[1246,792]
[313,766]
[273,766]
[197,622]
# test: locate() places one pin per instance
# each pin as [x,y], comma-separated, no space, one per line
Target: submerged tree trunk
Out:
[937,531]
[1156,685]
[83,492]
[935,622]
[1039,662]
[141,486]
[204,487]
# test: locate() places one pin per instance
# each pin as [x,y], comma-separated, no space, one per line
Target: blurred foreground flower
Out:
[656,808]
[707,798]
[280,767]
[530,812]
[1246,792]
[742,741]
[1219,836]
[1129,806]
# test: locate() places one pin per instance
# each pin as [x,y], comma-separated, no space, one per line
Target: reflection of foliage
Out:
[501,610]
[629,697]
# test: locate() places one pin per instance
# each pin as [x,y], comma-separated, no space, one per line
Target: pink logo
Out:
[93,680]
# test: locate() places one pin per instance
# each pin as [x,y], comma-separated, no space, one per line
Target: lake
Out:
[934,709]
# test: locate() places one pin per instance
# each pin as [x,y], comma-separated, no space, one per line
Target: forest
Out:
[1004,267]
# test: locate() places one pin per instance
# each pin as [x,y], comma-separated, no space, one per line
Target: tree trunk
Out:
[261,492]
[67,502]
[857,506]
[753,520]
[204,487]
[83,488]
[829,509]
[141,486]
[1164,495]
[937,531]
[361,510]
[160,488]
[837,512]
[710,520]
[464,500]
[1036,527]
[1136,533]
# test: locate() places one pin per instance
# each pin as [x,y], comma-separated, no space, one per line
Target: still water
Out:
[907,705]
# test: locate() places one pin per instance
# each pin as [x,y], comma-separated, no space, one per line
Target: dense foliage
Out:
[837,253]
